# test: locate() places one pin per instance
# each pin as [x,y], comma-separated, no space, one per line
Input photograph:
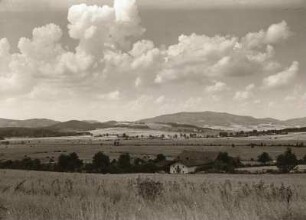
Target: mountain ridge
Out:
[206,119]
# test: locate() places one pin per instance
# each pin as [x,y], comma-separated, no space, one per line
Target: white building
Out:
[189,161]
[179,167]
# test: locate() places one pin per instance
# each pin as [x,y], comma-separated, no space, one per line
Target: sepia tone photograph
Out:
[152,110]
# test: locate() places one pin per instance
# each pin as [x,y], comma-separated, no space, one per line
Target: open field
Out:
[87,146]
[62,196]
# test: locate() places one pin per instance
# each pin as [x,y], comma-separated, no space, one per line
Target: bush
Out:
[264,158]
[149,189]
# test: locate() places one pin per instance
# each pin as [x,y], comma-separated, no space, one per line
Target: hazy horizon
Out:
[142,59]
[152,116]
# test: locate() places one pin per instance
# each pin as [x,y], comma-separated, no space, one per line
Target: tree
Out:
[223,157]
[124,161]
[226,163]
[69,162]
[223,134]
[138,161]
[160,157]
[264,158]
[286,161]
[100,162]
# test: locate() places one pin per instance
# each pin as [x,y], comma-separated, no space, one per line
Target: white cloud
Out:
[242,95]
[245,94]
[216,87]
[282,78]
[198,57]
[160,99]
[277,33]
[273,35]
[115,95]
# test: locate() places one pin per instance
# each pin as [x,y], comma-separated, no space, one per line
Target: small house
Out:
[189,161]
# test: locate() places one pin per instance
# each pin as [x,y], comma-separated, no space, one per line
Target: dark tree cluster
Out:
[69,163]
[25,164]
[101,163]
[226,163]
[287,161]
[36,132]
[222,164]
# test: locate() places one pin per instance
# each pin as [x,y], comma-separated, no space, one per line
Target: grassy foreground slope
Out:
[57,196]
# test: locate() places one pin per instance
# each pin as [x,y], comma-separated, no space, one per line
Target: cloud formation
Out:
[245,94]
[282,78]
[112,62]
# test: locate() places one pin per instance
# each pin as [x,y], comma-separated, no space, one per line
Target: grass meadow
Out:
[62,196]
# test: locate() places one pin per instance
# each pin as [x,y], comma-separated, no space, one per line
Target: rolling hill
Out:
[218,120]
[296,122]
[171,122]
[75,125]
[29,123]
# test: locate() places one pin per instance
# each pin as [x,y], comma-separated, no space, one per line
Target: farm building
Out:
[189,161]
[301,168]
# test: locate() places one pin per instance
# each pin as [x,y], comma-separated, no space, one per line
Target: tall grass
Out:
[57,196]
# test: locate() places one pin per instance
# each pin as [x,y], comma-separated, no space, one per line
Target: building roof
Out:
[164,163]
[196,158]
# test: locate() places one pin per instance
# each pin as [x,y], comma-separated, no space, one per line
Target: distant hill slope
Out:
[30,123]
[296,122]
[225,121]
[75,125]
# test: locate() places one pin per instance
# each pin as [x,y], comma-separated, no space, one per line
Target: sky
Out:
[128,60]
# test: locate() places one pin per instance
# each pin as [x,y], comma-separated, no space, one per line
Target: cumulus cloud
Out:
[282,78]
[103,34]
[273,35]
[245,94]
[198,57]
[216,87]
[115,95]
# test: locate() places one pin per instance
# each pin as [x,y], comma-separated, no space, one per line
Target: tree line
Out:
[36,132]
[101,163]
